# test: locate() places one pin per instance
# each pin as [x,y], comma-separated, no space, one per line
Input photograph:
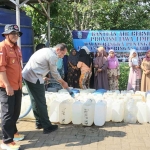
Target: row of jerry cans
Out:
[63,109]
[50,96]
[128,109]
[78,112]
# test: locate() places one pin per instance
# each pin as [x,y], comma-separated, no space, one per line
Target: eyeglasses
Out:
[15,33]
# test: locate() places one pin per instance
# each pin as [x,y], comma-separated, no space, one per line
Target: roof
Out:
[12,5]
[30,1]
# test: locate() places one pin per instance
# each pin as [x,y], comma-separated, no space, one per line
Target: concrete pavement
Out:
[112,136]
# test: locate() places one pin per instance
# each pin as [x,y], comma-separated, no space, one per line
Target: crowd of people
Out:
[102,71]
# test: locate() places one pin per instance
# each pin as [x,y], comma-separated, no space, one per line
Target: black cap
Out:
[11,28]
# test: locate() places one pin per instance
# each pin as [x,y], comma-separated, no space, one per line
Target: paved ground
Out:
[112,136]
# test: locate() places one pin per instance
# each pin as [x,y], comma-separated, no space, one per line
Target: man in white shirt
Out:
[39,64]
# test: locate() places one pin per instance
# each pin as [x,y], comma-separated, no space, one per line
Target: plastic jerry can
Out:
[142,112]
[109,109]
[65,109]
[26,102]
[117,110]
[77,112]
[54,110]
[88,113]
[100,113]
[130,113]
[148,109]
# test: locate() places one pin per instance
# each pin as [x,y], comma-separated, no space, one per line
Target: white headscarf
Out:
[134,60]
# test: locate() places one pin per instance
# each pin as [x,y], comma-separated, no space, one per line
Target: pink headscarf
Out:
[146,57]
[112,61]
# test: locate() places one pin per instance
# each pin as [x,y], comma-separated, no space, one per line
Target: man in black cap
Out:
[10,86]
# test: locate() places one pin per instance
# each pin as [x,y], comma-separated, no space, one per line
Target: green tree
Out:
[68,15]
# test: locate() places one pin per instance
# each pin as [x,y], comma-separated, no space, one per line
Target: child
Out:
[113,70]
[134,79]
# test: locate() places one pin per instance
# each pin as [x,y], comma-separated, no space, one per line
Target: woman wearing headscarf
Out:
[65,63]
[134,79]
[145,83]
[85,65]
[73,71]
[100,65]
[102,49]
[113,70]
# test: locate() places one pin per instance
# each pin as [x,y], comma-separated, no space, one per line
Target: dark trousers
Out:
[38,100]
[10,111]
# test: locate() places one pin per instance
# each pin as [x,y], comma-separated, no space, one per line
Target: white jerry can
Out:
[117,110]
[130,113]
[88,113]
[25,104]
[148,97]
[54,110]
[109,109]
[114,91]
[148,109]
[141,93]
[100,113]
[48,101]
[24,90]
[142,112]
[65,109]
[77,112]
[87,91]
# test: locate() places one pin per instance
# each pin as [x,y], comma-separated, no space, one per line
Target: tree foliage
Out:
[68,15]
[124,72]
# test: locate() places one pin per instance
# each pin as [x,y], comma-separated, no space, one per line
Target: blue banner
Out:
[119,40]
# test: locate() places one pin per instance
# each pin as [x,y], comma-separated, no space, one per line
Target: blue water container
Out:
[9,17]
[100,91]
[75,91]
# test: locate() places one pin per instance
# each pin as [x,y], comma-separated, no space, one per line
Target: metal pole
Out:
[48,12]
[18,20]
[18,23]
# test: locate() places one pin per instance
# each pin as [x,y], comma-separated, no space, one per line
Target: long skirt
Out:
[113,78]
[73,77]
[134,80]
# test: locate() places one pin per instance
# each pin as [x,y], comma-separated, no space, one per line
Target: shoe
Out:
[18,137]
[50,129]
[10,146]
[38,127]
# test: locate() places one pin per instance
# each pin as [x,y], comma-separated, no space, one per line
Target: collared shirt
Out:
[10,61]
[39,64]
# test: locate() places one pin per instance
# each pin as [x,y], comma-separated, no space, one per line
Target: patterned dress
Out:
[84,81]
[113,78]
[73,76]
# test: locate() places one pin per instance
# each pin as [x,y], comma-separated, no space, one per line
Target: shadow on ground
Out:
[70,135]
